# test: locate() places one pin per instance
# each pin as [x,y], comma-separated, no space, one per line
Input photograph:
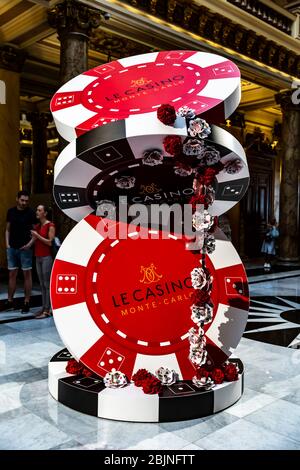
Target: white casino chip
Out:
[92,168]
[208,83]
[124,303]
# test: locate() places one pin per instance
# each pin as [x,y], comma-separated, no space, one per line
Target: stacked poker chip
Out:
[137,138]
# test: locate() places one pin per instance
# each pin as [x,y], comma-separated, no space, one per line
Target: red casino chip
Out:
[208,83]
[123,303]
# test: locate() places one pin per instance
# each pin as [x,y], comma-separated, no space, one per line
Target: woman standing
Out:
[269,243]
[43,234]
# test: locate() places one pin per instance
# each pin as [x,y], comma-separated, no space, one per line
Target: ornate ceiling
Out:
[24,24]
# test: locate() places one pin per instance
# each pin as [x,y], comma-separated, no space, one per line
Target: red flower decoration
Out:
[166,114]
[209,176]
[202,372]
[152,386]
[76,368]
[73,367]
[230,372]
[86,372]
[139,377]
[200,297]
[217,375]
[173,144]
[198,199]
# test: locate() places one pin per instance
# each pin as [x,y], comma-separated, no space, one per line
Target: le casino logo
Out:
[158,289]
[149,274]
[145,86]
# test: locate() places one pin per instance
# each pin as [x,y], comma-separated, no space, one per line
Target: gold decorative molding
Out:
[199,19]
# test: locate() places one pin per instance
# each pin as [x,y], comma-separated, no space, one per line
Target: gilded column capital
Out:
[11,58]
[72,17]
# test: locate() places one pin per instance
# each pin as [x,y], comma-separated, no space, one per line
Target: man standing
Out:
[19,222]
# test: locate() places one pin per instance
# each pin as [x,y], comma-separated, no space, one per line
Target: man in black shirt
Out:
[19,222]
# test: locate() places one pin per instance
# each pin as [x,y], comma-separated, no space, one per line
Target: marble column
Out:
[39,123]
[289,187]
[11,62]
[74,23]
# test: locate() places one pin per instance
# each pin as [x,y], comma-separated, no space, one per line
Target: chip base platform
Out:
[178,402]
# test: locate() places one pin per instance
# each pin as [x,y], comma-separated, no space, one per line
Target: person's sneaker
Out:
[25,308]
[9,305]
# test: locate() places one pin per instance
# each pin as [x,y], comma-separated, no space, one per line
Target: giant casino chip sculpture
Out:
[149,319]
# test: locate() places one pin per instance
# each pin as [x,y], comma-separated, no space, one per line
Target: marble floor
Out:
[266,417]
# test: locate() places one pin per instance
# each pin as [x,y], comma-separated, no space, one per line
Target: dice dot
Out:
[60,278]
[66,289]
[240,291]
[227,280]
[102,363]
[59,289]
[234,286]
[180,388]
[119,359]
[111,361]
[72,278]
[66,278]
[72,289]
[108,352]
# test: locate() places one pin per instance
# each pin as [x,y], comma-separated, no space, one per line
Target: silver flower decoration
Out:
[152,157]
[106,208]
[201,278]
[193,147]
[199,128]
[197,342]
[115,379]
[186,112]
[202,220]
[205,382]
[166,376]
[202,313]
[209,244]
[210,156]
[125,182]
[210,194]
[198,357]
[182,171]
[233,166]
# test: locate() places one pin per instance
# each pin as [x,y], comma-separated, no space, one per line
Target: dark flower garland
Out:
[173,144]
[140,376]
[166,114]
[227,372]
[150,384]
[76,368]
